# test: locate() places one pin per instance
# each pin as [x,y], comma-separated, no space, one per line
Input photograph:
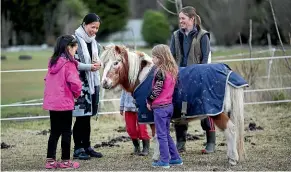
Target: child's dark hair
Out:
[61,48]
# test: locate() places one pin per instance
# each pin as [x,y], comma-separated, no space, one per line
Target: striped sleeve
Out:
[157,87]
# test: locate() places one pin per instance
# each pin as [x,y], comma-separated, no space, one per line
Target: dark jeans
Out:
[61,123]
[81,132]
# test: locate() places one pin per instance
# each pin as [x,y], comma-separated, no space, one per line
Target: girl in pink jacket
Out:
[62,85]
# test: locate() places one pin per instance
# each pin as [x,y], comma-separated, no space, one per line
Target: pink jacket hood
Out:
[62,85]
[58,66]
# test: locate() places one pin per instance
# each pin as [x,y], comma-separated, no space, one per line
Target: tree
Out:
[155,28]
[32,21]
[6,30]
[283,13]
[70,14]
[50,21]
[114,15]
[171,10]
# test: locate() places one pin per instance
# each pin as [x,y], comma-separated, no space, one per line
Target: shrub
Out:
[279,96]
[155,28]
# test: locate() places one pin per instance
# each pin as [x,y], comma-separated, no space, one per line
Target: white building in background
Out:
[131,35]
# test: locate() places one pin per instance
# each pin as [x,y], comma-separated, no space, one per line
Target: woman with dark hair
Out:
[62,85]
[86,105]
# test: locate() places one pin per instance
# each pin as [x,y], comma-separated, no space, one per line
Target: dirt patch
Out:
[120,129]
[253,127]
[6,146]
[191,137]
[44,132]
[221,144]
[113,142]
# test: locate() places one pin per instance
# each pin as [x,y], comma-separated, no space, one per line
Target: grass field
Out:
[267,149]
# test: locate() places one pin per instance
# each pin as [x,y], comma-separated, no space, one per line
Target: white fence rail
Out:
[117,112]
[39,104]
[272,51]
[252,59]
[215,61]
[45,117]
[108,100]
[24,70]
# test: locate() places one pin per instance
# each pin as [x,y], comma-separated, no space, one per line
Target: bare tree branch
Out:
[282,46]
[172,1]
[166,8]
[179,5]
[275,21]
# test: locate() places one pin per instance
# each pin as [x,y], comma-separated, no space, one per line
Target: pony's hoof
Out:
[232,162]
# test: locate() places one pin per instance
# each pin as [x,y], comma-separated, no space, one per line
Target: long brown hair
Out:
[191,12]
[167,61]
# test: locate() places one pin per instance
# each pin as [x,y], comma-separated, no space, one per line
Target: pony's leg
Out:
[223,122]
[156,155]
[237,116]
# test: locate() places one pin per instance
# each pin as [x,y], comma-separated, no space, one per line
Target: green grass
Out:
[25,85]
[22,86]
[39,60]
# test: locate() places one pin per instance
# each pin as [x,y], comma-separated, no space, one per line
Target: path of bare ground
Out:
[268,147]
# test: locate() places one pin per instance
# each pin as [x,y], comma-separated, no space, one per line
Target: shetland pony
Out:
[128,69]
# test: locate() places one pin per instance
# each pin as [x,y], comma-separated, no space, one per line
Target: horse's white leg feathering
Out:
[237,116]
[230,135]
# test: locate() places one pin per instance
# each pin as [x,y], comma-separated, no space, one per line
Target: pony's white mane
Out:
[134,65]
[134,61]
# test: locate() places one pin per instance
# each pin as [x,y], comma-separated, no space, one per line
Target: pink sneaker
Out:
[51,164]
[69,164]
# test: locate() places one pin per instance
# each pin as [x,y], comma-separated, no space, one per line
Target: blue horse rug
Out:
[200,86]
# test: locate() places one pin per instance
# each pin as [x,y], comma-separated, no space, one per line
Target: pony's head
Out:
[122,67]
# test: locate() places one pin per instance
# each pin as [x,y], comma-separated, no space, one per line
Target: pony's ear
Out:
[146,58]
[118,49]
[108,46]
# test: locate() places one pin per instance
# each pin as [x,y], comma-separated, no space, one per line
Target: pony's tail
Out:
[237,116]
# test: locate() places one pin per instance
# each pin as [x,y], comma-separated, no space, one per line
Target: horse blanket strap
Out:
[140,95]
[202,86]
